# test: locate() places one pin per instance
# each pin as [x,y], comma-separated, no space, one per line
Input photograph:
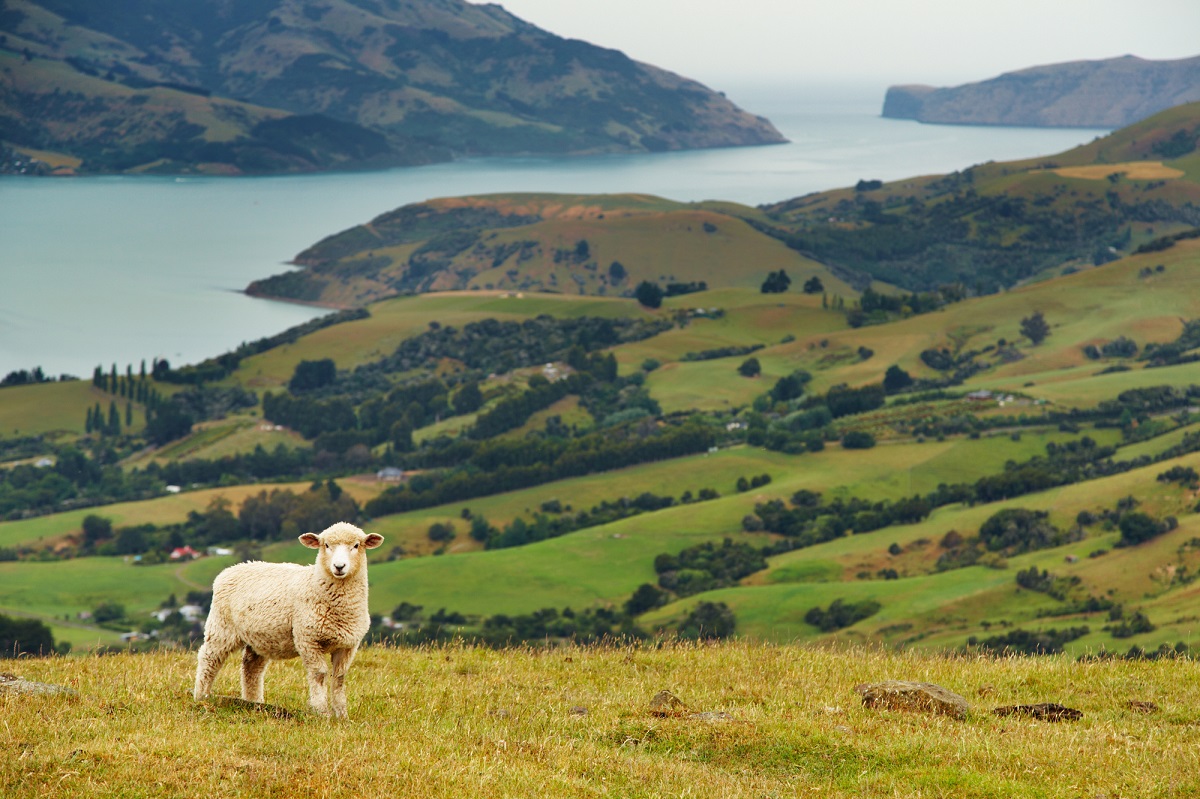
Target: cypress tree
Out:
[114,419]
[112,379]
[87,426]
[128,415]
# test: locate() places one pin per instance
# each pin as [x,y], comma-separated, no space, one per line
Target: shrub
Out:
[750,368]
[708,621]
[858,439]
[841,614]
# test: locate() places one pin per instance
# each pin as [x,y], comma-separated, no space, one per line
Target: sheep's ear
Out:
[373,540]
[310,540]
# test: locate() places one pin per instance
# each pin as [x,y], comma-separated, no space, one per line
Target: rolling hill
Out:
[985,228]
[792,461]
[1109,93]
[289,85]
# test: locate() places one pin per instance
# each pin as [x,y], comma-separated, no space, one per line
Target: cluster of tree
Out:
[1015,530]
[721,352]
[555,520]
[26,377]
[691,287]
[268,516]
[27,637]
[512,412]
[1025,642]
[776,283]
[874,308]
[494,346]
[75,480]
[1184,475]
[840,614]
[708,566]
[1120,347]
[497,466]
[811,520]
[1181,350]
[545,626]
[1046,583]
[1130,626]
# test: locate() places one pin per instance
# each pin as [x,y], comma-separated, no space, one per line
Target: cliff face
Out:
[376,81]
[1096,94]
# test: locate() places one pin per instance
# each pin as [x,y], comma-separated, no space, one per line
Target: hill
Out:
[288,85]
[985,228]
[573,244]
[1109,93]
[755,720]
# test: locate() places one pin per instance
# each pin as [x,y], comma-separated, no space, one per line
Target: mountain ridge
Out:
[1107,93]
[145,84]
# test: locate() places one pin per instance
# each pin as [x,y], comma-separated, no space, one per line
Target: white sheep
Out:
[284,610]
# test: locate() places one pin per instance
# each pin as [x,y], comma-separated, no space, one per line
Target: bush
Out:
[841,614]
[1018,530]
[750,368]
[649,294]
[858,439]
[1138,527]
[708,621]
[441,532]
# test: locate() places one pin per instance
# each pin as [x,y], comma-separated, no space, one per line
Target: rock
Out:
[1045,711]
[1140,706]
[578,710]
[665,703]
[711,715]
[985,690]
[921,697]
[12,684]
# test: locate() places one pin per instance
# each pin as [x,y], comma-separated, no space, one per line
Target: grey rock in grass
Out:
[578,710]
[711,715]
[1045,711]
[12,684]
[665,703]
[919,697]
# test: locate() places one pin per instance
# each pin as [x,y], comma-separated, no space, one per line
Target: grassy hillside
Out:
[342,84]
[568,244]
[577,722]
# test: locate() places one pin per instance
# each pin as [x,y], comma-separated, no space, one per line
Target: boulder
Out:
[12,684]
[919,697]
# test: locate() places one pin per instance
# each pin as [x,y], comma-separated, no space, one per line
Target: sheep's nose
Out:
[339,567]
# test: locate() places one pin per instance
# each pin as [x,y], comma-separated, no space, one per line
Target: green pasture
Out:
[55,407]
[351,344]
[169,509]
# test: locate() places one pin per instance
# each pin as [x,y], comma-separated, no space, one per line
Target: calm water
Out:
[117,269]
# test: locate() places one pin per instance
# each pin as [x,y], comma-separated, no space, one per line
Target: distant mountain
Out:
[1094,94]
[287,85]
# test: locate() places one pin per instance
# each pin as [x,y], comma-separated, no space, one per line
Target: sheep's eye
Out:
[356,546]
[327,546]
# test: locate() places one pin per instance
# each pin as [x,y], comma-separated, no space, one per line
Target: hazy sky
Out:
[941,42]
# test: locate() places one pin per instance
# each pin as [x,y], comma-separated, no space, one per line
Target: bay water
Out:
[103,270]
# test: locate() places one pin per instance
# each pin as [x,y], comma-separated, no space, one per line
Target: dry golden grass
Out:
[1134,170]
[455,722]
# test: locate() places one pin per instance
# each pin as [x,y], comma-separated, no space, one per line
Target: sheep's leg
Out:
[341,659]
[209,660]
[314,664]
[254,666]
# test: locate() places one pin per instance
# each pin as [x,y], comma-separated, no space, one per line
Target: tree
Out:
[776,283]
[441,532]
[750,368]
[469,398]
[646,597]
[96,529]
[896,379]
[813,285]
[708,621]
[649,294]
[313,374]
[616,272]
[858,439]
[1035,328]
[24,637]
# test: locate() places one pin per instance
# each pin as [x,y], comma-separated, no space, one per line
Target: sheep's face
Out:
[341,549]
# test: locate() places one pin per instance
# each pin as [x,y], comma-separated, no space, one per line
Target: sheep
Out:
[284,610]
